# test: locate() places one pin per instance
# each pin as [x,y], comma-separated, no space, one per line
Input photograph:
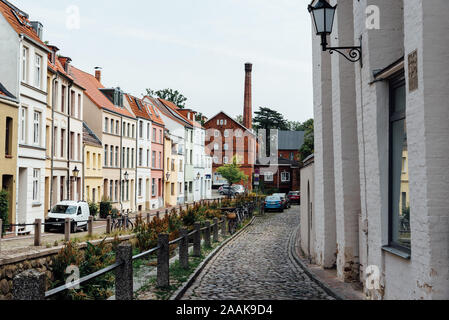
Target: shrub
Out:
[105,208]
[93,209]
[4,209]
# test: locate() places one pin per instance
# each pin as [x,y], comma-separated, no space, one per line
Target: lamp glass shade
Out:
[75,172]
[323,17]
[126,176]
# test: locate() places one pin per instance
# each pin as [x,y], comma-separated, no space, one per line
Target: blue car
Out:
[274,203]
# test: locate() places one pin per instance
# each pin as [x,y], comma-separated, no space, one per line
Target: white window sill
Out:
[36,204]
[397,252]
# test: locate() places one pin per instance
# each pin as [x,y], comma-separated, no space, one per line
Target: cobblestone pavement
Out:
[256,266]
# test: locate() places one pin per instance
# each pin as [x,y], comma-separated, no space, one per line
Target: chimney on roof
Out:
[65,61]
[248,109]
[54,50]
[98,74]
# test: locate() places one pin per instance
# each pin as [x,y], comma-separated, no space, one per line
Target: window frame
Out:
[396,81]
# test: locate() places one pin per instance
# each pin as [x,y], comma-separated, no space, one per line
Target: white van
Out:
[78,212]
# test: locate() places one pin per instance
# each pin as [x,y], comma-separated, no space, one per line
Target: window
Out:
[153,187]
[226,133]
[62,143]
[148,158]
[127,157]
[238,133]
[36,174]
[399,187]
[216,146]
[112,125]
[94,161]
[141,129]
[285,176]
[172,164]
[160,160]
[116,157]
[36,127]
[88,160]
[25,64]
[23,124]
[221,122]
[38,71]
[154,134]
[217,133]
[160,136]
[105,155]
[218,122]
[140,157]
[8,136]
[132,158]
[111,160]
[181,169]
[72,103]
[106,124]
[153,159]
[127,190]
[226,147]
[128,130]
[133,135]
[225,160]
[139,188]
[63,99]
[148,131]
[172,189]
[111,190]
[268,176]
[216,160]
[80,115]
[117,127]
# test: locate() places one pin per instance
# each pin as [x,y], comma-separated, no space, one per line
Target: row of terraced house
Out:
[67,137]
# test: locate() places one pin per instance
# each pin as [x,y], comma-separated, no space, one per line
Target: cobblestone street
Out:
[257,266]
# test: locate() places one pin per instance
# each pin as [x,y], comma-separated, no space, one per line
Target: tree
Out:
[239,119]
[170,95]
[308,147]
[232,173]
[4,210]
[267,119]
[199,118]
[300,126]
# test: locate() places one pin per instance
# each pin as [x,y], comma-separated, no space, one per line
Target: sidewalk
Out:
[328,277]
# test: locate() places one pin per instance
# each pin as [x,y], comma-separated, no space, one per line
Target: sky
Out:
[198,47]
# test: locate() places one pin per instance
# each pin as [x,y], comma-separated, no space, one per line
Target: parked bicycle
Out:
[122,222]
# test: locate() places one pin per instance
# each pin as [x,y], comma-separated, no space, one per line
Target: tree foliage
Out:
[267,118]
[232,173]
[4,209]
[170,95]
[239,119]
[308,147]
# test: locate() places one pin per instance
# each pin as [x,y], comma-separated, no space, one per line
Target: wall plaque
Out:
[413,71]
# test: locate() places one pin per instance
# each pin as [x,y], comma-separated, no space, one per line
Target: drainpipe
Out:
[122,158]
[53,102]
[84,175]
[68,140]
[136,162]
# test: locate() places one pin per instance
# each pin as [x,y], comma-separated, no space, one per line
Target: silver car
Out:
[238,189]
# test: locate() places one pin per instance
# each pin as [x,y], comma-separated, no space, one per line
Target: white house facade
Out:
[381,168]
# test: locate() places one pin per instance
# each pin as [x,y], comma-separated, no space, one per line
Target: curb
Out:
[178,294]
[296,259]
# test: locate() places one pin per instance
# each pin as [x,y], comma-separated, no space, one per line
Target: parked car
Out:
[227,191]
[274,203]
[295,197]
[238,189]
[220,190]
[78,212]
[285,200]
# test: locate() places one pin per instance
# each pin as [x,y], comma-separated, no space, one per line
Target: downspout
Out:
[136,162]
[84,175]
[122,158]
[53,102]
[68,139]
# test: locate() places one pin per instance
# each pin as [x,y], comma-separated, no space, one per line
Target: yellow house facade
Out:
[93,166]
[9,112]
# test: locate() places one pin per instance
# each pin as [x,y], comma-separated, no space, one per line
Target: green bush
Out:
[105,208]
[4,209]
[93,209]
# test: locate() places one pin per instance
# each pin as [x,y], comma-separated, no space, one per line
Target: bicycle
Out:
[122,223]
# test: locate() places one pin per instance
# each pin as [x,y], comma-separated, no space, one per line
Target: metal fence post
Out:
[197,240]
[163,261]
[207,235]
[108,225]
[37,232]
[158,215]
[124,273]
[90,226]
[184,249]
[29,285]
[67,229]
[215,229]
[148,217]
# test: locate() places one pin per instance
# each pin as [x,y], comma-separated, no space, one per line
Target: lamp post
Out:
[323,19]
[75,173]
[198,176]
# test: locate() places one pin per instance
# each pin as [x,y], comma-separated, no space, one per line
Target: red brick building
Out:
[226,138]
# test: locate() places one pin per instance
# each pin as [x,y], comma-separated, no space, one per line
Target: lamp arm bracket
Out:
[352,54]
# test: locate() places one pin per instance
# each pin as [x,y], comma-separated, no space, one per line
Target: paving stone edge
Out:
[181,291]
[296,259]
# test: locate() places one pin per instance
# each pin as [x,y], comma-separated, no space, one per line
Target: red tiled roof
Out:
[152,110]
[176,109]
[19,22]
[139,112]
[92,86]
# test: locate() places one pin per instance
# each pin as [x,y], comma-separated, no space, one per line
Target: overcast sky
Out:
[198,47]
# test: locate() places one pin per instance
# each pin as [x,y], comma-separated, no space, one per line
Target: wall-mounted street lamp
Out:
[75,172]
[167,175]
[198,176]
[126,175]
[323,18]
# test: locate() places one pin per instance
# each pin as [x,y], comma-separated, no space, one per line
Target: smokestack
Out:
[248,108]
